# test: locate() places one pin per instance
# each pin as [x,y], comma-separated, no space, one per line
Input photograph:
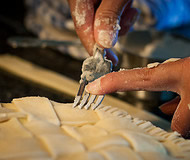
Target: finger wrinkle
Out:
[143,74]
[111,22]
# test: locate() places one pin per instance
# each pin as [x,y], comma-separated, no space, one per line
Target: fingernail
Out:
[93,87]
[107,38]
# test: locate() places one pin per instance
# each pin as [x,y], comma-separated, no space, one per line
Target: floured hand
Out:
[171,76]
[100,22]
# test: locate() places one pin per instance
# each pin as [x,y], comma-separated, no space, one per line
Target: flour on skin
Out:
[80,12]
[107,37]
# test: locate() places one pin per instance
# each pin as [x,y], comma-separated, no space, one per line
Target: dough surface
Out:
[36,128]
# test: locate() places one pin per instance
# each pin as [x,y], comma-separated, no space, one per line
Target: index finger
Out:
[160,78]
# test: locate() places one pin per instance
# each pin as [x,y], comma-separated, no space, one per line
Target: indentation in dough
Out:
[86,131]
[177,150]
[74,116]
[137,121]
[108,111]
[97,143]
[113,109]
[38,107]
[155,131]
[174,150]
[145,125]
[173,135]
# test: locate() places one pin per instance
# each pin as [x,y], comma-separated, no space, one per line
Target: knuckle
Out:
[109,13]
[108,16]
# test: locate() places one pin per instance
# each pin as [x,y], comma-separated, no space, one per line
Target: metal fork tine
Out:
[79,94]
[84,100]
[98,102]
[91,100]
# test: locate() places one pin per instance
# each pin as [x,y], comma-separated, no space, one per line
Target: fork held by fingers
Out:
[93,68]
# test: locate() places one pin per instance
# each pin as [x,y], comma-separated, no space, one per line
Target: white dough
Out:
[39,129]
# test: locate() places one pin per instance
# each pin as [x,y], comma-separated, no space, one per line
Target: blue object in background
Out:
[171,15]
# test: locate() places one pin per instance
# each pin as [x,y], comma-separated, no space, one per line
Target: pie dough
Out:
[35,128]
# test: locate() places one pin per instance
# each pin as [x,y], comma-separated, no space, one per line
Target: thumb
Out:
[107,20]
[181,118]
[170,107]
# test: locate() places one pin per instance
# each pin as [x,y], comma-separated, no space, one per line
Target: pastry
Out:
[35,128]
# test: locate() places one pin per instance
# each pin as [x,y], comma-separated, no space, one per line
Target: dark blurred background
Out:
[12,15]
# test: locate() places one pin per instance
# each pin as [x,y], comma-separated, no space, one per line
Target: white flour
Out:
[97,22]
[155,64]
[79,15]
[171,60]
[117,26]
[107,37]
[87,30]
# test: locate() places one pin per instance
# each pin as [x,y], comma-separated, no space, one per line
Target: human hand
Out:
[171,76]
[99,21]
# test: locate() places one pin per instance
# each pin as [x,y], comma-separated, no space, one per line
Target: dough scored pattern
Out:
[35,128]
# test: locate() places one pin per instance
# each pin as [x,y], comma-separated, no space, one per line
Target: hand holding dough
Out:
[101,21]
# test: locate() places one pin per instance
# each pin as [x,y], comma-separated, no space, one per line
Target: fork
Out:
[84,99]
